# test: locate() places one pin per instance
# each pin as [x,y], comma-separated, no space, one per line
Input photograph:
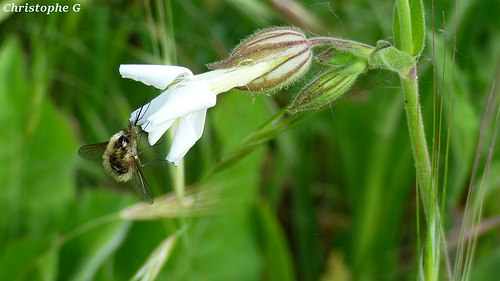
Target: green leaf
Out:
[48,265]
[100,248]
[390,58]
[155,262]
[37,151]
[417,26]
[277,255]
[17,261]
[403,26]
[93,232]
[396,29]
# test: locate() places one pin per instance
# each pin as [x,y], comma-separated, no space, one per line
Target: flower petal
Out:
[177,101]
[181,99]
[155,133]
[149,109]
[159,76]
[189,130]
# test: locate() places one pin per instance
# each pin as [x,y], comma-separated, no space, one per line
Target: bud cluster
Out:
[285,54]
[345,61]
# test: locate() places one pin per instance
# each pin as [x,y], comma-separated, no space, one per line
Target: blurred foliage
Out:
[332,198]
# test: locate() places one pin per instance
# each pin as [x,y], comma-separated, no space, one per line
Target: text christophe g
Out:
[37,8]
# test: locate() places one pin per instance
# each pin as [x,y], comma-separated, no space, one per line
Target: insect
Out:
[120,159]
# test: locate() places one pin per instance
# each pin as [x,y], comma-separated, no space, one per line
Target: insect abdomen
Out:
[117,165]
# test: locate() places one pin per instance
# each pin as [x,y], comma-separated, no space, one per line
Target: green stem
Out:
[177,172]
[178,180]
[352,47]
[409,84]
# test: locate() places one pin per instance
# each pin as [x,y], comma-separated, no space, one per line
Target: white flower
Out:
[186,99]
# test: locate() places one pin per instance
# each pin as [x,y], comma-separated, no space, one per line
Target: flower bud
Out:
[287,47]
[334,57]
[345,63]
[328,89]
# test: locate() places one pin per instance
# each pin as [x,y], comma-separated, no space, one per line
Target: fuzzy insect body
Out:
[120,159]
[120,156]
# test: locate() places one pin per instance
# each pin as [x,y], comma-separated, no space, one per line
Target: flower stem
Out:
[427,188]
[348,46]
[409,86]
[177,173]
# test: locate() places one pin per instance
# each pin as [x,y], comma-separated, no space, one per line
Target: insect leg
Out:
[156,160]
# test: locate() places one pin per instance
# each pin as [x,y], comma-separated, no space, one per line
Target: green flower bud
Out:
[334,57]
[288,49]
[346,63]
[328,89]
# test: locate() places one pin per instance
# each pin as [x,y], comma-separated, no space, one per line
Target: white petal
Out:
[149,109]
[159,76]
[182,99]
[189,130]
[155,133]
[177,101]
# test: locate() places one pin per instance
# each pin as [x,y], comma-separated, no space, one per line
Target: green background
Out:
[333,198]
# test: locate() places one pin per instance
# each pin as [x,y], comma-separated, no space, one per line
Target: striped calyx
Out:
[288,49]
[326,90]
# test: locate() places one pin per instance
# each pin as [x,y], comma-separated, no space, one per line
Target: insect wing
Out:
[140,184]
[93,151]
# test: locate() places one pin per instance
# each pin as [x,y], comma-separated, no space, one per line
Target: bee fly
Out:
[120,159]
